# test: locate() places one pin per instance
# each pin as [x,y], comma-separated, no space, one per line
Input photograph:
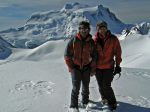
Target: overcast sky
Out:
[14,13]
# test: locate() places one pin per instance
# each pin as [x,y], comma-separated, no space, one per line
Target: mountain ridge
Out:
[57,24]
[60,24]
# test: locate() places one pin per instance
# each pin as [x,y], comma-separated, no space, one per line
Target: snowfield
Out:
[37,80]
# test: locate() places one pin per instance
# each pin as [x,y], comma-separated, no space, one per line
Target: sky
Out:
[14,13]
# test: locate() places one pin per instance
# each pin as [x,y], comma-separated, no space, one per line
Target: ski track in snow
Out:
[143,74]
[5,62]
[141,101]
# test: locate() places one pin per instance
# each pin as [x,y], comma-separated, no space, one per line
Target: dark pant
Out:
[104,78]
[79,76]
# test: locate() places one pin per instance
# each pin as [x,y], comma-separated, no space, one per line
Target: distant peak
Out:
[68,6]
[76,3]
[72,6]
[100,6]
[144,24]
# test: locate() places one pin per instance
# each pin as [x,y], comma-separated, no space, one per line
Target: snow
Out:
[37,79]
[136,51]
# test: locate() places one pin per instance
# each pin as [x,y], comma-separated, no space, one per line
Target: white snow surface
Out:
[136,52]
[37,80]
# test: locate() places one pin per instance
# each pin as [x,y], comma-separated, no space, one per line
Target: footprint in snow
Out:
[35,88]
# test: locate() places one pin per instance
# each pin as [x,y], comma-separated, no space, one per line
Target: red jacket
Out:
[80,52]
[110,54]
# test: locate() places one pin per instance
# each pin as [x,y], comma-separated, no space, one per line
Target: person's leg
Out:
[76,82]
[99,78]
[108,91]
[85,85]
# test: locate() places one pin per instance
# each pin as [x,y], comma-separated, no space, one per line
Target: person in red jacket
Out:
[80,57]
[109,57]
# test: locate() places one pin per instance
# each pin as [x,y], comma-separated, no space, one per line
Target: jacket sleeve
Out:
[118,52]
[68,55]
[94,56]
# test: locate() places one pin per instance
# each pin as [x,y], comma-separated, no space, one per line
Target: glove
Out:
[117,70]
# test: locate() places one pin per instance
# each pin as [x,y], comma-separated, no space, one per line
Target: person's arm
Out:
[118,52]
[94,56]
[118,59]
[68,55]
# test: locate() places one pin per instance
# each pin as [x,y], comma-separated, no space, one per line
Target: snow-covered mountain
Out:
[56,24]
[5,50]
[4,43]
[142,28]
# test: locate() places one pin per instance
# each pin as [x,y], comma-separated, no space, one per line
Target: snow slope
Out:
[37,80]
[136,52]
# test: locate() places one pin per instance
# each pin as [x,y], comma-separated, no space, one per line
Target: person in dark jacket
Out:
[80,58]
[109,59]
